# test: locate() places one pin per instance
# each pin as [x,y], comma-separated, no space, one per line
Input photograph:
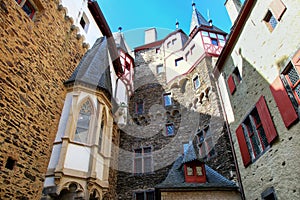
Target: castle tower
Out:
[174,102]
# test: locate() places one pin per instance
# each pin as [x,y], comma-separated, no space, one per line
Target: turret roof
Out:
[93,68]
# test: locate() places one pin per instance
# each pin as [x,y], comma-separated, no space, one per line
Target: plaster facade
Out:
[260,57]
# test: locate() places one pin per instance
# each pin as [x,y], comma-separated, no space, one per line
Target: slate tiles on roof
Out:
[93,68]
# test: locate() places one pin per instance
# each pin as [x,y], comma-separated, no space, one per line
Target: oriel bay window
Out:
[256,132]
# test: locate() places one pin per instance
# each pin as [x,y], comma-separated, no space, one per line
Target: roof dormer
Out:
[194,172]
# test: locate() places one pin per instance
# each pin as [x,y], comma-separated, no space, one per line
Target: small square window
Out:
[170,129]
[199,171]
[189,171]
[270,20]
[178,60]
[159,69]
[214,41]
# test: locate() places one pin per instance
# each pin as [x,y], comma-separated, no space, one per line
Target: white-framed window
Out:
[159,69]
[29,7]
[142,160]
[84,22]
[83,122]
[168,99]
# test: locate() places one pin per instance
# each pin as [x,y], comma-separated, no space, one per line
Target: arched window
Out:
[101,133]
[83,122]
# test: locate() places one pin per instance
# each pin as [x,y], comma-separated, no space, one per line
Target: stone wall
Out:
[194,195]
[278,166]
[36,57]
[187,113]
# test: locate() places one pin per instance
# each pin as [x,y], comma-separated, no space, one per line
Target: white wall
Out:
[78,157]
[75,10]
[54,156]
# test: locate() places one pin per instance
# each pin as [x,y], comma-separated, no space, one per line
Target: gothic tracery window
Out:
[83,122]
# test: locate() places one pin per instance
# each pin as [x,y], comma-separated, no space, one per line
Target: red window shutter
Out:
[283,102]
[296,61]
[243,146]
[266,119]
[231,84]
[278,8]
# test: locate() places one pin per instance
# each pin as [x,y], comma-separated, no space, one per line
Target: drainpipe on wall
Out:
[231,144]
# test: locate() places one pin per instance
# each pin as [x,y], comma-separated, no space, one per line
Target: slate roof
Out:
[199,21]
[93,68]
[191,154]
[175,179]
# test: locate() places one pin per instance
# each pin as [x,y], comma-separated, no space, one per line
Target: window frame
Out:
[29,3]
[194,177]
[196,87]
[173,129]
[169,95]
[161,66]
[269,130]
[91,116]
[267,19]
[144,192]
[205,143]
[142,156]
[139,103]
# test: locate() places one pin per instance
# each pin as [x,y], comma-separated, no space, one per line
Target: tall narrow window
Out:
[83,122]
[140,107]
[142,160]
[196,82]
[170,129]
[293,78]
[159,69]
[256,132]
[101,134]
[167,99]
[205,143]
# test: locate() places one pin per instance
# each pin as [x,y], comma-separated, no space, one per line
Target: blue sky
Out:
[134,16]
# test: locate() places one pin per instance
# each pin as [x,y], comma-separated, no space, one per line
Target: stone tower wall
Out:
[187,114]
[36,57]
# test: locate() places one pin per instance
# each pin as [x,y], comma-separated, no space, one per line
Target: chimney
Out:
[233,8]
[150,35]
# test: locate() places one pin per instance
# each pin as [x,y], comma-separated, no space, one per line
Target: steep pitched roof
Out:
[175,179]
[191,154]
[198,21]
[93,68]
[121,43]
